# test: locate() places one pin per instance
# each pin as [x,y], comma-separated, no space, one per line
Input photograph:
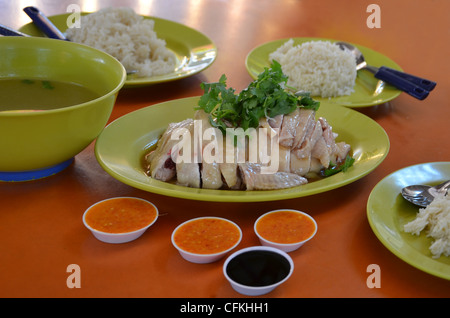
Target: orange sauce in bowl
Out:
[120,215]
[206,236]
[285,227]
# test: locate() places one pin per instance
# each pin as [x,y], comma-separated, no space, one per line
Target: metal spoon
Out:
[413,85]
[423,195]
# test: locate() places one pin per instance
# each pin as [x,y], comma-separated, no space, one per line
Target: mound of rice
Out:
[128,37]
[318,67]
[435,218]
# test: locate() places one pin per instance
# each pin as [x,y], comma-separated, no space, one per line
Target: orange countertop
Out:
[41,229]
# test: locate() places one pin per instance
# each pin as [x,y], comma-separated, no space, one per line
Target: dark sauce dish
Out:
[257,270]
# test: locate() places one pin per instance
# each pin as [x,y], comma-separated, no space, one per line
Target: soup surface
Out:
[19,94]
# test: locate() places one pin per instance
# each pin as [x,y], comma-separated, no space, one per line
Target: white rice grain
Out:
[318,67]
[128,37]
[435,220]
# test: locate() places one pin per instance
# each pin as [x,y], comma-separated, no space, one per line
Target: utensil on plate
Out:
[44,24]
[423,195]
[413,85]
[48,28]
[7,31]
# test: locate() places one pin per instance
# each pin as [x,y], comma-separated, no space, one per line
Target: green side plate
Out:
[388,212]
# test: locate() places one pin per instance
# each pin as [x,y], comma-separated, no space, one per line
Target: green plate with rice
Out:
[194,51]
[368,90]
[388,212]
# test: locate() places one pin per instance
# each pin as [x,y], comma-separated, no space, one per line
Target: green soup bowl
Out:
[36,144]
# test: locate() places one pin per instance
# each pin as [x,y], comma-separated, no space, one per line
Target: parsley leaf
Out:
[333,169]
[47,85]
[267,96]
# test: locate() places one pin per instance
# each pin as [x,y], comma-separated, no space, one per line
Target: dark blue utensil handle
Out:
[422,82]
[7,31]
[44,24]
[402,84]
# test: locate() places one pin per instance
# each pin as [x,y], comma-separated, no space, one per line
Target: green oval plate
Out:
[388,212]
[194,51]
[122,144]
[369,91]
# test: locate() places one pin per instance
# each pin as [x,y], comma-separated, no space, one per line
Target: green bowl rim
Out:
[66,43]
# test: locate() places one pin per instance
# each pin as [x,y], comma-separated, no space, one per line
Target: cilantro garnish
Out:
[47,85]
[267,96]
[333,169]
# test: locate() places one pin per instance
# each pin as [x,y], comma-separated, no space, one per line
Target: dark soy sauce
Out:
[258,268]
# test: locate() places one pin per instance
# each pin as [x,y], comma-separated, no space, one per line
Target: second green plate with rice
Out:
[194,51]
[369,91]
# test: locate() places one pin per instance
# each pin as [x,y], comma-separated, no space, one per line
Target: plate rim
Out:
[404,255]
[144,81]
[229,195]
[305,39]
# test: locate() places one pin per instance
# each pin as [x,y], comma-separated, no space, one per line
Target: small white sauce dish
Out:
[206,234]
[126,236]
[257,270]
[294,226]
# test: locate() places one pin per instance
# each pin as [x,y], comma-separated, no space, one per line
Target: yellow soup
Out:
[120,215]
[37,95]
[285,227]
[206,236]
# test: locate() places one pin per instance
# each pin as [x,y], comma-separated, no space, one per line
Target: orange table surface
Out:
[41,229]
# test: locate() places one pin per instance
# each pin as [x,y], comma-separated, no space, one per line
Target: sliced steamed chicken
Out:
[218,173]
[305,146]
[211,175]
[187,165]
[160,160]
[337,150]
[255,180]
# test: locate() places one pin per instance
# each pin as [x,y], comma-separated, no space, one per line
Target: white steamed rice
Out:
[318,67]
[128,37]
[435,220]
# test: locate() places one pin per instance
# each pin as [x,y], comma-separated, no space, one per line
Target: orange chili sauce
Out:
[120,215]
[285,227]
[206,236]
